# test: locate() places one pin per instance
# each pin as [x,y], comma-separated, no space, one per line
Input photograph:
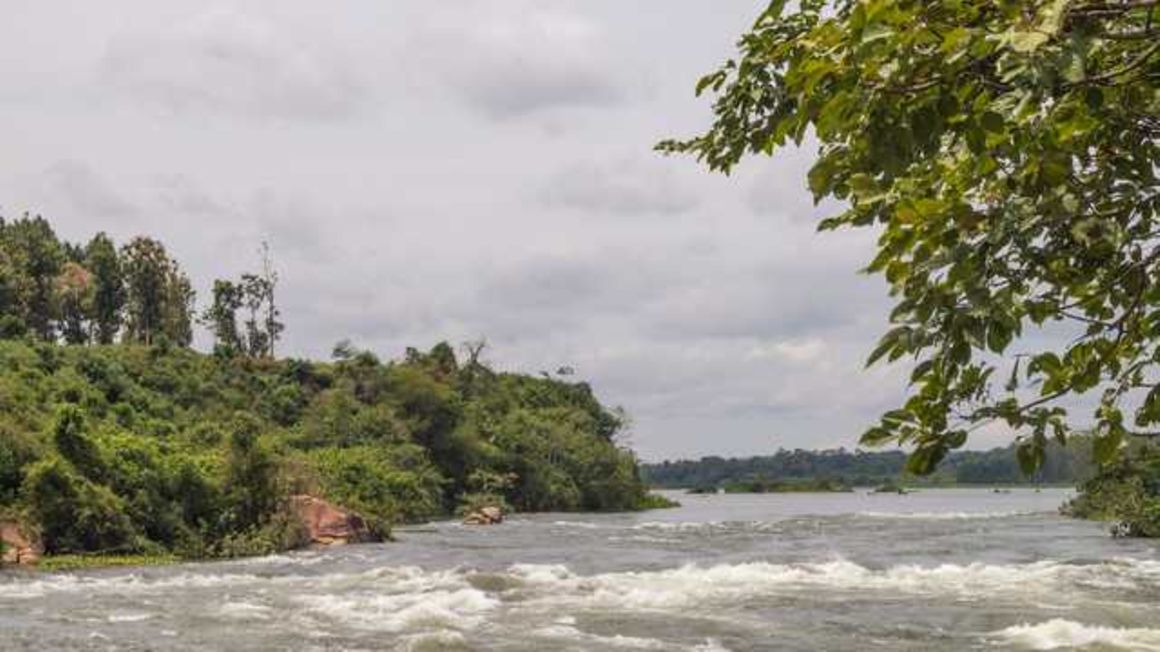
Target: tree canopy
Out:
[1007,152]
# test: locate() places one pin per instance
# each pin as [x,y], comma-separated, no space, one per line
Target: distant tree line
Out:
[57,291]
[865,468]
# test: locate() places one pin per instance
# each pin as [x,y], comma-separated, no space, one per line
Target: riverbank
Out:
[94,561]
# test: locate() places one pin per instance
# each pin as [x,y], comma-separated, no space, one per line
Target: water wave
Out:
[570,634]
[128,617]
[729,583]
[47,585]
[399,587]
[427,608]
[441,640]
[946,516]
[460,609]
[583,525]
[685,526]
[1058,633]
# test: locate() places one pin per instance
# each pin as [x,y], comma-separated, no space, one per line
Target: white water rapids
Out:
[935,570]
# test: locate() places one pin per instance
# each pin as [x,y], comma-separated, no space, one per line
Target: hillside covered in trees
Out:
[116,436]
[871,468]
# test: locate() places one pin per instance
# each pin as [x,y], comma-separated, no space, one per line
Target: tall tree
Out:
[108,288]
[222,317]
[254,293]
[75,302]
[36,256]
[273,324]
[146,267]
[251,474]
[11,319]
[178,311]
[1008,153]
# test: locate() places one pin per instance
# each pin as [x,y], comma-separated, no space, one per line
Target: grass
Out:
[57,563]
[656,501]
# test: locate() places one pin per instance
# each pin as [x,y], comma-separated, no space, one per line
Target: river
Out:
[940,569]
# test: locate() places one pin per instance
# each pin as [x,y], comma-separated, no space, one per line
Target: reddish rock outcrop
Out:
[328,524]
[18,548]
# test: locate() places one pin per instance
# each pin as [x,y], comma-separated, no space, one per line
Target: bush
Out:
[473,502]
[75,515]
[74,445]
[16,451]
[656,501]
[1126,492]
[384,484]
[251,482]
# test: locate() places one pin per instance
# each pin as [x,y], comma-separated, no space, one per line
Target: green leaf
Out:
[876,436]
[877,32]
[1013,381]
[998,337]
[1028,460]
[925,459]
[992,122]
[1027,41]
[1106,446]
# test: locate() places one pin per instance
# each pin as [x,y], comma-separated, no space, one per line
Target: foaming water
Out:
[1057,634]
[938,570]
[944,516]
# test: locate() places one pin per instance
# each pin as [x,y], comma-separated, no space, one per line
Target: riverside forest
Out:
[117,437]
[838,468]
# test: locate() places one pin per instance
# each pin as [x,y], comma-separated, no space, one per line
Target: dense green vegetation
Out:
[765,486]
[836,470]
[1126,492]
[1007,153]
[117,438]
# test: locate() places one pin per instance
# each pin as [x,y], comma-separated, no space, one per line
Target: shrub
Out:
[74,514]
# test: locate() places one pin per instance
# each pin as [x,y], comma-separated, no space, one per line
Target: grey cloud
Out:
[293,225]
[225,60]
[627,187]
[86,192]
[289,222]
[779,187]
[512,59]
[545,284]
[178,194]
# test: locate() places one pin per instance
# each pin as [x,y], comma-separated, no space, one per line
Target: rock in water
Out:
[328,524]
[18,548]
[493,514]
[490,515]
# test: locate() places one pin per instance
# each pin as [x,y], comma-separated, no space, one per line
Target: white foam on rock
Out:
[1059,633]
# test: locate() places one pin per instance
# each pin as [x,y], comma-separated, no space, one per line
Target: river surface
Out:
[933,570]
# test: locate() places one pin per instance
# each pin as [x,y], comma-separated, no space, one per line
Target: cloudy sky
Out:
[450,171]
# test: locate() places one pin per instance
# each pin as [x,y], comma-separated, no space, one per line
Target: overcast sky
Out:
[449,171]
